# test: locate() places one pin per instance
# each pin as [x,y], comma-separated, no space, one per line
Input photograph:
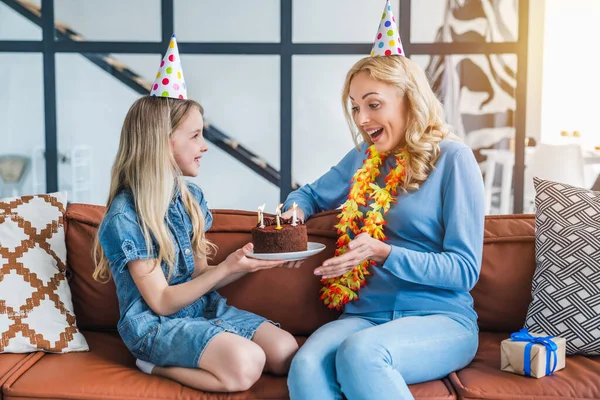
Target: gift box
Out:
[532,354]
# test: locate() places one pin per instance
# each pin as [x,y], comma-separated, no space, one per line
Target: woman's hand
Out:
[289,213]
[363,247]
[238,262]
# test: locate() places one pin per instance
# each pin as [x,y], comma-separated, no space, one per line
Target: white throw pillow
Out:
[36,311]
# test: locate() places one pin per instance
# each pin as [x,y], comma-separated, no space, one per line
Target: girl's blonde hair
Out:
[145,165]
[425,127]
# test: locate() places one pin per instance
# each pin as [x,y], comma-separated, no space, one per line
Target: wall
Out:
[537,16]
[570,77]
[570,84]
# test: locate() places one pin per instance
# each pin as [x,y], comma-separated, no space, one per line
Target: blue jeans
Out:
[376,355]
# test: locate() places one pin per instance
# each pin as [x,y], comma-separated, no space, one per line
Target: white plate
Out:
[313,248]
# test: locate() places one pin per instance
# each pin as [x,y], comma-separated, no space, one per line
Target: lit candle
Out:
[277,216]
[294,214]
[261,217]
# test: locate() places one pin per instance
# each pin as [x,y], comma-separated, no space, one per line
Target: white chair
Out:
[506,159]
[76,169]
[558,163]
[81,174]
[13,170]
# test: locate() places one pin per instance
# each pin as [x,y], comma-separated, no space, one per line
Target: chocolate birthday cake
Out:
[285,240]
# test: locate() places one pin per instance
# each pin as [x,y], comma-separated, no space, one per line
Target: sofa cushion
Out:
[36,311]
[482,379]
[503,291]
[566,283]
[108,371]
[9,363]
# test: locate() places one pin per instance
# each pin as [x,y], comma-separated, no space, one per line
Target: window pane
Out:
[13,26]
[464,21]
[478,93]
[22,164]
[232,21]
[321,136]
[328,21]
[228,184]
[144,65]
[111,20]
[240,96]
[92,105]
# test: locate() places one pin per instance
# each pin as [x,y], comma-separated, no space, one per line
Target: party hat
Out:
[169,80]
[387,42]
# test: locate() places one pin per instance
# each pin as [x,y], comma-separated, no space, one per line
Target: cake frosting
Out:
[285,240]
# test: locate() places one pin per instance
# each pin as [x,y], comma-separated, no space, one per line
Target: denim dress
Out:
[178,339]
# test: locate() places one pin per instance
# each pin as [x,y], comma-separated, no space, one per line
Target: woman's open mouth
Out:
[375,134]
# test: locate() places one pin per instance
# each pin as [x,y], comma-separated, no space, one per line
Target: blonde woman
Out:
[152,242]
[412,205]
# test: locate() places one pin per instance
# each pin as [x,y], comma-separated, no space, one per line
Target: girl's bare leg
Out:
[230,363]
[279,347]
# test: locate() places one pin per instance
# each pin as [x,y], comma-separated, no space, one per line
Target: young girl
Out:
[152,242]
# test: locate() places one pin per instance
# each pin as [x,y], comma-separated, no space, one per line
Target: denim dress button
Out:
[187,252]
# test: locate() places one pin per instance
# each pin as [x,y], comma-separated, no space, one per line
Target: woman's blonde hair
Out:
[425,127]
[145,166]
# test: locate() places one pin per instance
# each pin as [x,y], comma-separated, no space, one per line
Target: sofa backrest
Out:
[95,304]
[291,296]
[503,291]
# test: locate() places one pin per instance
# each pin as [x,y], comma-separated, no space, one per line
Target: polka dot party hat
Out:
[169,80]
[387,42]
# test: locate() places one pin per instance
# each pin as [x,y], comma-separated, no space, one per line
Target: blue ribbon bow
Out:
[551,347]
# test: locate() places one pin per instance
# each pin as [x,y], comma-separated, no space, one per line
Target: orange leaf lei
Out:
[340,290]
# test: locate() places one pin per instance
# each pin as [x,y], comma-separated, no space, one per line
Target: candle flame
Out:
[294,205]
[278,210]
[262,208]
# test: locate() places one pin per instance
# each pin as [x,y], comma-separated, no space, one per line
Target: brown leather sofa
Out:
[108,371]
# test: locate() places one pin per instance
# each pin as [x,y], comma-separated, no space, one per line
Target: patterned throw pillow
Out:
[566,283]
[36,311]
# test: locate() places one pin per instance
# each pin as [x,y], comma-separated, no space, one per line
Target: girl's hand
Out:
[363,247]
[289,213]
[293,264]
[238,262]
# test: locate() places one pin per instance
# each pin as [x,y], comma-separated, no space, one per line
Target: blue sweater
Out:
[436,234]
